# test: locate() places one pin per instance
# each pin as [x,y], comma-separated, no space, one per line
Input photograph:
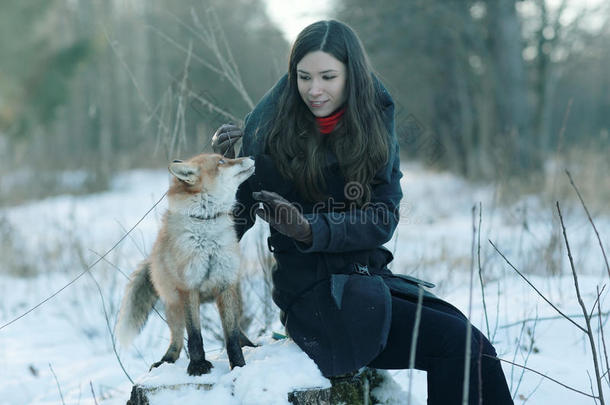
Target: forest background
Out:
[496,91]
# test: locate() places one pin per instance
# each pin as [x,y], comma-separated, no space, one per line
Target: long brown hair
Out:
[360,141]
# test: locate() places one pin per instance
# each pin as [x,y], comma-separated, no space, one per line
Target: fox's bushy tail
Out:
[138,301]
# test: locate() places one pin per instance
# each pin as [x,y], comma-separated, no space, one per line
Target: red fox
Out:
[195,259]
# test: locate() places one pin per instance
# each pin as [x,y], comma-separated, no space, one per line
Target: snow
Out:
[242,385]
[54,239]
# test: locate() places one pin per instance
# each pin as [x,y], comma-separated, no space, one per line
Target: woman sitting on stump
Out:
[328,175]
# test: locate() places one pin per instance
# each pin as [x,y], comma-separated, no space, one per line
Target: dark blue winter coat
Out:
[335,295]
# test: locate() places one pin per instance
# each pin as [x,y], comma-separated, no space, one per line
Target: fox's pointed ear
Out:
[185,172]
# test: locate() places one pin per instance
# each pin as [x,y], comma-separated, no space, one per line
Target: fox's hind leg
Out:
[175,320]
[229,308]
[198,364]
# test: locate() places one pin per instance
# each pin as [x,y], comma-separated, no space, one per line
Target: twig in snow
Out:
[58,386]
[599,293]
[93,393]
[589,330]
[517,346]
[599,240]
[601,331]
[99,289]
[481,270]
[549,318]
[538,291]
[87,269]
[541,374]
[493,337]
[533,391]
[530,349]
[591,386]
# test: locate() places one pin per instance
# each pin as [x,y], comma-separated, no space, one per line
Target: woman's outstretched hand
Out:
[224,139]
[283,216]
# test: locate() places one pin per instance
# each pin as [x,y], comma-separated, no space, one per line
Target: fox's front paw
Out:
[158,363]
[198,368]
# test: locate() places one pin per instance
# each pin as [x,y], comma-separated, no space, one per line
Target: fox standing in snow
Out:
[194,259]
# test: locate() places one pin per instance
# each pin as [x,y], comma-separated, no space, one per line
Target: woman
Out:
[327,173]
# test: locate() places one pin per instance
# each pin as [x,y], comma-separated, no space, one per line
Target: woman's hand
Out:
[224,140]
[283,216]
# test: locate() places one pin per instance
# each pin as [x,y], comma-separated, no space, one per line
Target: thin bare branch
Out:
[93,393]
[87,269]
[601,331]
[185,50]
[126,276]
[493,337]
[218,45]
[538,291]
[481,270]
[132,78]
[517,347]
[133,241]
[584,311]
[112,340]
[533,391]
[58,386]
[530,349]
[213,107]
[549,318]
[179,133]
[599,239]
[599,293]
[542,375]
[591,386]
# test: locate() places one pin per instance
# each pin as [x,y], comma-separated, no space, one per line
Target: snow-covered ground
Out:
[62,351]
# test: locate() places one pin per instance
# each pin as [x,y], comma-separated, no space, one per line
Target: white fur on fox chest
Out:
[206,252]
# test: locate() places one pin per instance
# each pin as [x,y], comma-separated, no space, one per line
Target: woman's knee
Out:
[455,342]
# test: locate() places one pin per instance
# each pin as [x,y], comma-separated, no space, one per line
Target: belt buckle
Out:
[361,269]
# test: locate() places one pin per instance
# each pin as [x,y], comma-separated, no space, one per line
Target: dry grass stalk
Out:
[542,375]
[58,385]
[589,330]
[538,291]
[481,270]
[93,393]
[599,240]
[601,331]
[86,269]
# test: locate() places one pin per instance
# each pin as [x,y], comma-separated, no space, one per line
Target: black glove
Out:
[224,140]
[283,216]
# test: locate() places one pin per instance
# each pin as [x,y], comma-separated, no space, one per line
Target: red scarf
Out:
[328,124]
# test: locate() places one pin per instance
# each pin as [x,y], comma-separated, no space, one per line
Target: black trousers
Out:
[440,351]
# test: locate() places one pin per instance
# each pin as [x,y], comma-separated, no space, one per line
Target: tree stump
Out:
[140,394]
[353,389]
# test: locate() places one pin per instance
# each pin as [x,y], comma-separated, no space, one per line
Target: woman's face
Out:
[321,80]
